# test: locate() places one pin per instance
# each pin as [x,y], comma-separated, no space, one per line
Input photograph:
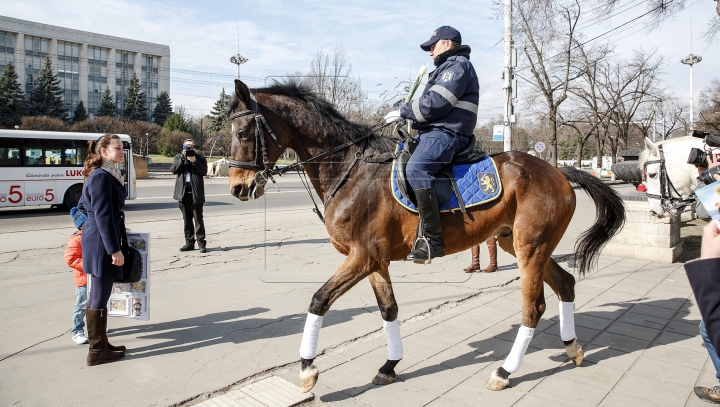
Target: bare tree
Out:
[710,107]
[547,29]
[330,77]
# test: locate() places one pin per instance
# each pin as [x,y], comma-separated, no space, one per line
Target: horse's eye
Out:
[242,135]
[653,175]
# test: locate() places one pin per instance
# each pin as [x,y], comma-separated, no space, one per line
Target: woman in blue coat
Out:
[103,198]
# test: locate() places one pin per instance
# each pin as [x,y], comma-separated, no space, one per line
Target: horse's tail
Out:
[609,217]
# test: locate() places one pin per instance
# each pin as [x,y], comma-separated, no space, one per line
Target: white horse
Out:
[670,180]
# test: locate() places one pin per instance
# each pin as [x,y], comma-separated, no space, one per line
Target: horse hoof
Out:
[308,378]
[575,352]
[577,360]
[383,379]
[496,383]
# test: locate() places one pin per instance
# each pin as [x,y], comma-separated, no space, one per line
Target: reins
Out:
[673,205]
[265,173]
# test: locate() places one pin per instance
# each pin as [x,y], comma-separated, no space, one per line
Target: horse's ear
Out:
[242,92]
[651,147]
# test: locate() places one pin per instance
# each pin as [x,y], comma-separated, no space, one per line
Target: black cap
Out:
[443,33]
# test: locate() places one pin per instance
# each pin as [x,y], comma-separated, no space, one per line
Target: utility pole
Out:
[509,82]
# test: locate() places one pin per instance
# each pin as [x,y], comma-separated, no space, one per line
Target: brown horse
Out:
[371,229]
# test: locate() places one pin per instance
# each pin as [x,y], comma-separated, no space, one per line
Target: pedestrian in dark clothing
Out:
[190,168]
[102,201]
[444,115]
[704,277]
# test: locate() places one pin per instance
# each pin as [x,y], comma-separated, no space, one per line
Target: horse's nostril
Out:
[236,191]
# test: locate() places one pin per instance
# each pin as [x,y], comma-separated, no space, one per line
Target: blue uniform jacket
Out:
[103,198]
[704,278]
[450,99]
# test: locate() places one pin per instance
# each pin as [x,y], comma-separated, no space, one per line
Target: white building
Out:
[86,63]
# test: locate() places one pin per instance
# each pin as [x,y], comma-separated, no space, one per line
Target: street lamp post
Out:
[238,60]
[691,60]
[147,143]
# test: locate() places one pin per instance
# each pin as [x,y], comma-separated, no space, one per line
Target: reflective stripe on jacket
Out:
[449,100]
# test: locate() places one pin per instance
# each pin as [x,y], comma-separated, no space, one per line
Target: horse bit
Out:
[673,205]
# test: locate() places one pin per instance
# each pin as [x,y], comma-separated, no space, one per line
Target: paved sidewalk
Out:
[636,320]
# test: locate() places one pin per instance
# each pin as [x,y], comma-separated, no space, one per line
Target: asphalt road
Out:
[154,202]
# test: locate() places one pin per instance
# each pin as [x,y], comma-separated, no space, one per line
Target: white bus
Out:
[46,167]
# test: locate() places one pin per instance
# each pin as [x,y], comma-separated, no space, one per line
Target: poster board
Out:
[132,300]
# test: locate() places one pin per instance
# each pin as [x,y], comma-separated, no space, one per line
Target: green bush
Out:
[170,142]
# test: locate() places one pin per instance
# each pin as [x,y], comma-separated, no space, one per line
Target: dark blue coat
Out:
[450,99]
[103,198]
[704,278]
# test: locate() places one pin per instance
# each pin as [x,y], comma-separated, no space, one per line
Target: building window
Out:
[69,74]
[124,65]
[97,77]
[35,50]
[149,81]
[7,49]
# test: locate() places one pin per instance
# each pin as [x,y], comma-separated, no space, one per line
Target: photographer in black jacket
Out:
[190,168]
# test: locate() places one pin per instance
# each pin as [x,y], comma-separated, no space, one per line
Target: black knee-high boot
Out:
[429,240]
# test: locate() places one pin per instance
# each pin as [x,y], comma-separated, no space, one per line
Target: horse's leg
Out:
[531,260]
[354,268]
[380,281]
[563,284]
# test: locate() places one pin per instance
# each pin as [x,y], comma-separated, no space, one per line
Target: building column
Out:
[53,52]
[111,69]
[83,75]
[19,58]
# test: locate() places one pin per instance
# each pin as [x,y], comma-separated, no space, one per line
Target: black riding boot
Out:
[429,232]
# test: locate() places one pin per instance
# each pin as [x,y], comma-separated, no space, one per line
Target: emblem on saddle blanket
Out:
[477,182]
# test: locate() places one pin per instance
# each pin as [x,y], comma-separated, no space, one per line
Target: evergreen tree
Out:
[12,99]
[80,113]
[163,108]
[219,113]
[176,122]
[46,98]
[107,105]
[135,105]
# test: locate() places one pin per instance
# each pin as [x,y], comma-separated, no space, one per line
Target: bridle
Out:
[265,173]
[672,204]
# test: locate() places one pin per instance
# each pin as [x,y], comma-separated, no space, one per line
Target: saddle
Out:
[467,166]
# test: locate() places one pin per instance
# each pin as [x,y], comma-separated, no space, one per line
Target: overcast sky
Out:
[381,39]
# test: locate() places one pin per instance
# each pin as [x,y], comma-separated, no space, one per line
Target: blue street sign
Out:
[539,146]
[219,138]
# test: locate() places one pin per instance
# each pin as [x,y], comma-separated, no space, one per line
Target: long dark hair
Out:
[94,160]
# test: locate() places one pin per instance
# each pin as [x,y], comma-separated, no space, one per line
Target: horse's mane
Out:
[335,124]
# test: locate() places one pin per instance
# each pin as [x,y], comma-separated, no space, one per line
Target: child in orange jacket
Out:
[73,258]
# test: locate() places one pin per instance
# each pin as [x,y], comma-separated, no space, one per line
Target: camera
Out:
[699,158]
[187,151]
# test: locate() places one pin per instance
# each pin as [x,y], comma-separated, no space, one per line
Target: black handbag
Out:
[133,267]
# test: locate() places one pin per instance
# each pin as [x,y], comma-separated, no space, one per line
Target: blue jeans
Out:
[711,350]
[435,150]
[79,310]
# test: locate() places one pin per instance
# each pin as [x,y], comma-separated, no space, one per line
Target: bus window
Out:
[10,152]
[75,153]
[43,152]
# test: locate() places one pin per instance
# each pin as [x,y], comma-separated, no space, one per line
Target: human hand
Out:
[393,117]
[191,158]
[117,258]
[710,247]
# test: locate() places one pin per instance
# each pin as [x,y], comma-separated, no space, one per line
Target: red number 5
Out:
[49,196]
[14,190]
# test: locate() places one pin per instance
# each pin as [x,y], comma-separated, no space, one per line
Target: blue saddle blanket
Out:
[477,182]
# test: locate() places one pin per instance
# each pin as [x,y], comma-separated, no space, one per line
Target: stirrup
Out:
[427,243]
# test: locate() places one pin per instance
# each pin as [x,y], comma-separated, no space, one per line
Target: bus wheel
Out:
[72,196]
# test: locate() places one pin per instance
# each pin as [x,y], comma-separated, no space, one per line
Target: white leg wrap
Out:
[522,341]
[394,342]
[308,346]
[567,321]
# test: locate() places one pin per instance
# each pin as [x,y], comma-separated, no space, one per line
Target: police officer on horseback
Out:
[444,115]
